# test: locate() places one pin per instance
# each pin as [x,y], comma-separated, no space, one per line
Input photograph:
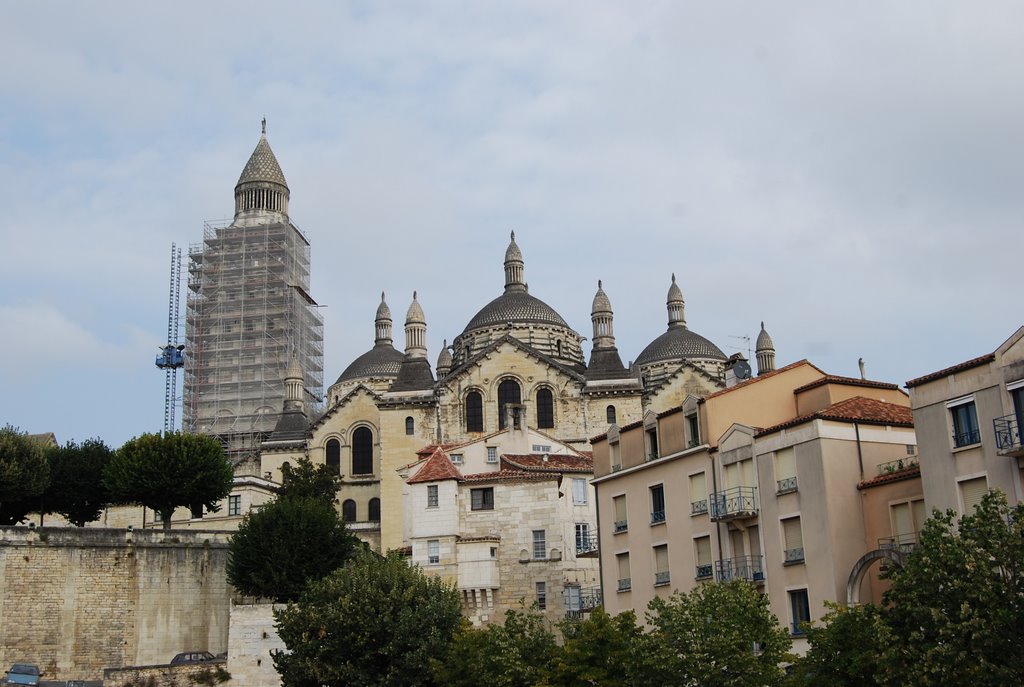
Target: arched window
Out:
[348,510]
[474,412]
[362,452]
[558,348]
[334,455]
[610,412]
[374,510]
[545,409]
[410,425]
[508,392]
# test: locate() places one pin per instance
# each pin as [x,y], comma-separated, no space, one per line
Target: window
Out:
[583,537]
[785,471]
[609,413]
[334,454]
[492,454]
[540,545]
[657,504]
[542,595]
[971,493]
[693,429]
[621,524]
[661,575]
[431,496]
[348,510]
[508,393]
[794,540]
[800,609]
[456,459]
[965,424]
[482,499]
[474,412]
[234,505]
[573,599]
[541,448]
[545,409]
[374,515]
[702,548]
[907,519]
[433,552]
[698,494]
[362,452]
[410,425]
[616,452]
[622,560]
[652,443]
[579,491]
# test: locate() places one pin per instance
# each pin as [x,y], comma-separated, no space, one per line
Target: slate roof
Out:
[413,375]
[262,166]
[605,363]
[380,361]
[291,427]
[959,367]
[857,409]
[679,343]
[518,307]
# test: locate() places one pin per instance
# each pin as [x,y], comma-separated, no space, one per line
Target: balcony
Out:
[904,543]
[1008,436]
[580,600]
[898,465]
[699,507]
[968,437]
[657,517]
[621,526]
[704,571]
[734,504]
[586,545]
[794,556]
[661,578]
[786,486]
[625,584]
[749,568]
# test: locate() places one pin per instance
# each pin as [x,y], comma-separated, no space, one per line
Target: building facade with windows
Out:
[969,419]
[759,482]
[507,519]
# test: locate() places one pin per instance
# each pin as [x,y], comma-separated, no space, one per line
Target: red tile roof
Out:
[907,473]
[847,381]
[549,462]
[959,367]
[857,409]
[761,378]
[437,469]
[506,475]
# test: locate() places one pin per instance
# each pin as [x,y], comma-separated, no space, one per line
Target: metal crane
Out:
[171,354]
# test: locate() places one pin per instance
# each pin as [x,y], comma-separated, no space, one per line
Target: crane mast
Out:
[171,357]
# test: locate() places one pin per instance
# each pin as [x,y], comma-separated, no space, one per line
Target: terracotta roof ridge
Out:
[945,372]
[851,381]
[760,377]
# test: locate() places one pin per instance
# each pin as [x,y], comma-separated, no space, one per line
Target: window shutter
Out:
[920,514]
[785,464]
[620,508]
[623,560]
[747,468]
[661,558]
[794,537]
[902,519]
[704,551]
[972,491]
[698,487]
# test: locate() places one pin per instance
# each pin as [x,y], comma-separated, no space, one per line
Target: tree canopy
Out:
[76,489]
[305,480]
[600,650]
[169,471]
[24,475]
[286,543]
[375,621]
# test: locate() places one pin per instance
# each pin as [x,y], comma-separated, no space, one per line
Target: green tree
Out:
[76,488]
[24,475]
[518,653]
[601,650]
[288,542]
[721,634]
[376,621]
[846,650]
[956,607]
[305,480]
[168,471]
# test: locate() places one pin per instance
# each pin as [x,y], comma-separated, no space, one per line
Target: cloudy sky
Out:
[850,173]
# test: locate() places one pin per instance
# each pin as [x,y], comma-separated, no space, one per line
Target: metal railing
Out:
[905,542]
[621,525]
[661,578]
[657,517]
[786,485]
[794,556]
[625,584]
[898,465]
[971,436]
[704,571]
[1007,433]
[749,568]
[698,507]
[732,503]
[581,600]
[586,543]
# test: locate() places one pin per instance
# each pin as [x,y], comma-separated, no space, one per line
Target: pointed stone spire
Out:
[382,323]
[765,352]
[444,361]
[676,305]
[261,187]
[415,330]
[514,267]
[601,317]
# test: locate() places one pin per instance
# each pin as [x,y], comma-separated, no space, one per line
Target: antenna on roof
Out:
[740,348]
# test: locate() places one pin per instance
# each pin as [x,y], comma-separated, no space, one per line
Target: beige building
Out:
[503,518]
[758,482]
[968,419]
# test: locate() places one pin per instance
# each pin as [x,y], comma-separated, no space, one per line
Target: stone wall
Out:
[79,600]
[250,641]
[212,673]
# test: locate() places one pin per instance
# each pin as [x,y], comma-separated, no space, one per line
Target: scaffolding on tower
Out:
[171,356]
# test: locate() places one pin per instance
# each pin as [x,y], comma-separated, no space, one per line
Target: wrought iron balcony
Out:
[661,578]
[786,485]
[1008,441]
[698,507]
[794,556]
[966,438]
[735,503]
[580,600]
[904,543]
[749,568]
[621,525]
[625,584]
[704,571]
[898,465]
[586,545]
[657,517]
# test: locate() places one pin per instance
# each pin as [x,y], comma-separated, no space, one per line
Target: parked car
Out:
[23,674]
[192,657]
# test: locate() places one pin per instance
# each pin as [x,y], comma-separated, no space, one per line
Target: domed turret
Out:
[514,267]
[261,189]
[765,352]
[444,361]
[415,330]
[601,317]
[381,362]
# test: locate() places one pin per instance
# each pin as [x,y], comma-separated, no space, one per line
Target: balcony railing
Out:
[904,543]
[581,600]
[1008,435]
[586,544]
[786,485]
[657,517]
[966,438]
[794,556]
[661,578]
[898,465]
[621,525]
[749,568]
[704,571]
[625,584]
[738,502]
[699,507]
